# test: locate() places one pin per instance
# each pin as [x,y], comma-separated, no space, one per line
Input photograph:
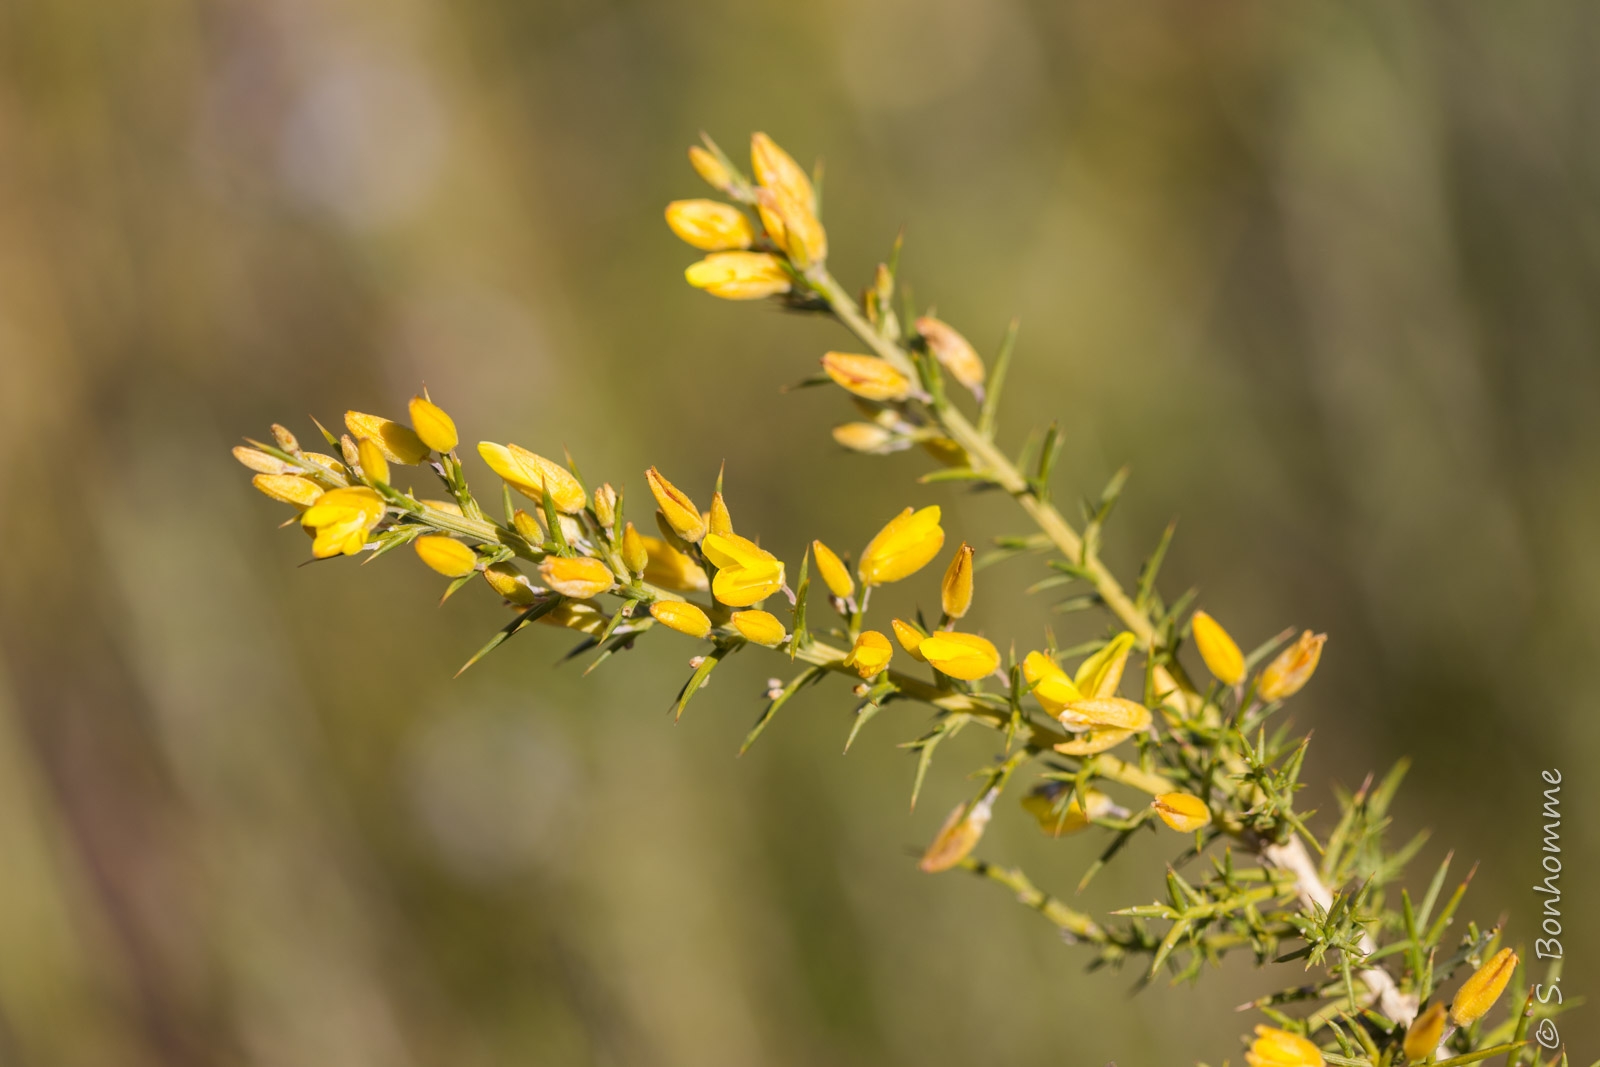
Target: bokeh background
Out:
[1324,275]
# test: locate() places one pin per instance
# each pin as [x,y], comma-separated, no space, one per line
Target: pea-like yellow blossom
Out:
[746,572]
[718,520]
[679,511]
[671,569]
[684,618]
[341,519]
[434,426]
[400,443]
[710,168]
[867,437]
[1218,649]
[1059,816]
[1425,1033]
[958,836]
[955,592]
[1115,712]
[710,226]
[288,488]
[605,505]
[578,577]
[793,227]
[953,352]
[1478,993]
[904,546]
[868,377]
[965,656]
[1184,812]
[449,557]
[1279,1048]
[531,475]
[1101,673]
[1049,683]
[762,627]
[373,465]
[740,275]
[1292,669]
[259,461]
[510,583]
[910,638]
[776,169]
[870,653]
[834,574]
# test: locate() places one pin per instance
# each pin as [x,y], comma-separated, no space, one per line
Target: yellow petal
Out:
[759,626]
[578,577]
[955,592]
[1279,1048]
[958,836]
[833,572]
[1101,673]
[867,376]
[740,275]
[685,618]
[676,507]
[965,656]
[1292,669]
[436,429]
[449,557]
[1183,812]
[903,547]
[910,638]
[870,653]
[400,444]
[1218,649]
[710,226]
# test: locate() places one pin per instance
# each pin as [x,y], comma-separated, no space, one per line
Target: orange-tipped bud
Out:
[955,592]
[449,557]
[904,546]
[684,618]
[870,653]
[710,226]
[400,443]
[762,627]
[953,352]
[833,571]
[578,577]
[1292,669]
[740,275]
[679,511]
[1478,993]
[436,428]
[1183,812]
[1218,649]
[868,377]
[965,656]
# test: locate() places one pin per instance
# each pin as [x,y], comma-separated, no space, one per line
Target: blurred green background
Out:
[1324,275]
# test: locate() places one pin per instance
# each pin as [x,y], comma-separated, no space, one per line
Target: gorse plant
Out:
[1116,738]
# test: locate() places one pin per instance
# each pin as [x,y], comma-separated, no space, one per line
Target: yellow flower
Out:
[373,465]
[1425,1033]
[531,474]
[1101,673]
[684,618]
[965,656]
[1218,649]
[578,577]
[1478,993]
[636,555]
[710,226]
[1279,1048]
[740,275]
[867,376]
[342,518]
[910,638]
[400,444]
[902,547]
[1044,804]
[1183,812]
[1050,685]
[719,521]
[259,461]
[953,352]
[1291,670]
[671,569]
[510,583]
[679,511]
[1114,712]
[762,627]
[775,169]
[288,488]
[446,555]
[436,429]
[833,571]
[870,654]
[711,169]
[955,593]
[864,437]
[746,572]
[605,505]
[793,227]
[958,836]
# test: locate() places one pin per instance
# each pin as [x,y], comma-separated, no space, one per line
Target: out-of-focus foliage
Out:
[1324,275]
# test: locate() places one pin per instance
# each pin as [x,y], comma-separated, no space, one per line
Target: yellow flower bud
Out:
[867,376]
[762,627]
[634,554]
[449,507]
[958,836]
[449,557]
[684,618]
[710,226]
[870,654]
[510,583]
[671,569]
[1050,685]
[348,449]
[903,547]
[833,571]
[679,511]
[965,656]
[910,638]
[740,275]
[285,439]
[436,429]
[719,521]
[711,169]
[1098,739]
[1279,1048]
[746,572]
[1105,711]
[1044,803]
[1478,993]
[605,505]
[1183,812]
[775,169]
[866,437]
[531,475]
[373,465]
[400,444]
[955,593]
[288,488]
[1425,1033]
[1292,669]
[259,461]
[578,577]
[953,352]
[341,519]
[1101,673]
[579,615]
[793,227]
[528,526]
[1218,649]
